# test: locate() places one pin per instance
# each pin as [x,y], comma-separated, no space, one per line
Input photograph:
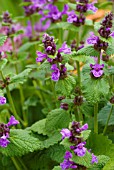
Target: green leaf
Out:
[45,66]
[52,140]
[86,134]
[2,39]
[25,4]
[94,89]
[65,86]
[56,153]
[110,50]
[27,45]
[21,142]
[3,63]
[66,143]
[104,113]
[39,127]
[21,77]
[56,168]
[85,160]
[57,119]
[64,26]
[88,51]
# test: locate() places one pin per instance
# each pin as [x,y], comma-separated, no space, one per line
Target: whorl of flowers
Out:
[59,69]
[81,7]
[5,131]
[77,145]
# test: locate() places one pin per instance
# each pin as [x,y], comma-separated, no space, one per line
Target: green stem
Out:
[96,118]
[105,128]
[15,163]
[78,72]
[76,114]
[80,114]
[23,165]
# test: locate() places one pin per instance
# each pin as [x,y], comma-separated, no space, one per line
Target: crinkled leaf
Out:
[3,63]
[56,168]
[104,113]
[57,119]
[88,51]
[27,45]
[21,142]
[21,77]
[86,134]
[65,86]
[39,127]
[2,39]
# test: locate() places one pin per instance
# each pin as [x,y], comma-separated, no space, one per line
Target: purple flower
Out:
[64,106]
[41,56]
[84,127]
[65,133]
[39,27]
[56,74]
[97,70]
[2,100]
[72,17]
[29,30]
[80,149]
[4,141]
[65,49]
[94,159]
[12,121]
[92,39]
[112,34]
[92,7]
[67,163]
[68,155]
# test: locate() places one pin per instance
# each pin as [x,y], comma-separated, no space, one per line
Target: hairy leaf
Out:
[2,39]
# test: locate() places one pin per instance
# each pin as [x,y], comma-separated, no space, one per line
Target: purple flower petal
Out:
[68,155]
[65,49]
[41,56]
[94,159]
[4,141]
[80,150]
[65,133]
[2,100]
[92,39]
[112,34]
[12,121]
[72,17]
[84,127]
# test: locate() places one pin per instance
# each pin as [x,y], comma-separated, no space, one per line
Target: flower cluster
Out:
[77,144]
[5,131]
[54,14]
[105,29]
[81,7]
[59,69]
[2,100]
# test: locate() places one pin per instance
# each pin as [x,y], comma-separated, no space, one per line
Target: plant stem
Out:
[24,166]
[78,71]
[15,163]
[96,118]
[76,114]
[80,114]
[105,128]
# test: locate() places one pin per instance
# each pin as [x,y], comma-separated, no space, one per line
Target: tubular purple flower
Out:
[65,133]
[29,30]
[112,34]
[80,150]
[94,159]
[72,17]
[68,155]
[92,7]
[12,121]
[84,127]
[92,39]
[4,141]
[39,27]
[2,100]
[41,56]
[65,49]
[56,74]
[97,70]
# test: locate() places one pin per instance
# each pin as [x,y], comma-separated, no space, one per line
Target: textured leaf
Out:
[45,66]
[88,51]
[39,127]
[56,153]
[110,50]
[85,160]
[21,77]
[27,45]
[3,63]
[86,134]
[94,89]
[104,113]
[2,39]
[65,86]
[52,140]
[57,119]
[64,26]
[56,168]
[21,142]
